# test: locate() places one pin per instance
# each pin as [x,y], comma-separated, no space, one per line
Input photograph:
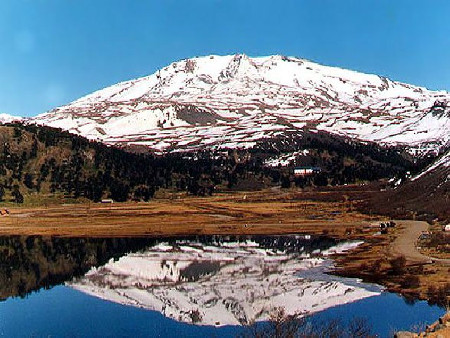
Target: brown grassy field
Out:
[267,212]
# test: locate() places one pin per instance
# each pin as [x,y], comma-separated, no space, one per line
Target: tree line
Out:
[35,159]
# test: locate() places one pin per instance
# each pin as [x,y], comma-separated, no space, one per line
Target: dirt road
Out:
[405,243]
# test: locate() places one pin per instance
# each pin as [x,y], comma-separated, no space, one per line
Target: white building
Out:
[306,171]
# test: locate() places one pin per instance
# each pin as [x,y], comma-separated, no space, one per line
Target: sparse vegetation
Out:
[283,325]
[440,295]
[437,243]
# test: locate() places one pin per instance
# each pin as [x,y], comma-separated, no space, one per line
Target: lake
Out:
[207,285]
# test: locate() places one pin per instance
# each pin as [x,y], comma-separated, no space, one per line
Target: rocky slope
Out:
[427,194]
[234,101]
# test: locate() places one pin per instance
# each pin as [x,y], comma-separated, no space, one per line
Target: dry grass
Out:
[268,212]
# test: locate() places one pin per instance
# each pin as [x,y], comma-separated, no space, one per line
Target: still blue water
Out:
[64,312]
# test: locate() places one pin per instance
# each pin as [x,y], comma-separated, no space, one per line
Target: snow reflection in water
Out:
[225,282]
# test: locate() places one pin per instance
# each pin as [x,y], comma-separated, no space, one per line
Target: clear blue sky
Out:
[54,51]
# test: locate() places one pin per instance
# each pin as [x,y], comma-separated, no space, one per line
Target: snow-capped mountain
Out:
[232,283]
[234,101]
[6,118]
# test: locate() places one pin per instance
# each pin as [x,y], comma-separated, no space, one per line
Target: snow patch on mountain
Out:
[284,160]
[6,118]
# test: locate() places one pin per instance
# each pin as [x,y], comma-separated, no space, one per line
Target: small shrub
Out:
[410,282]
[398,264]
[196,316]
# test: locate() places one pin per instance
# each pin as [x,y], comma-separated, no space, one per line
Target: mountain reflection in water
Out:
[210,280]
[224,280]
[29,263]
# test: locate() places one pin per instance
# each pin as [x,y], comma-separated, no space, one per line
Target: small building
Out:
[446,228]
[306,171]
